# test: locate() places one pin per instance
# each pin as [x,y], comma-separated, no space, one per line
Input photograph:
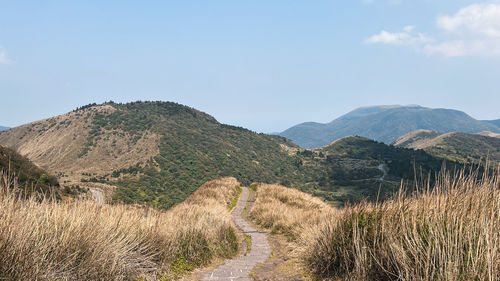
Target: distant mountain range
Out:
[386,124]
[460,147]
[2,128]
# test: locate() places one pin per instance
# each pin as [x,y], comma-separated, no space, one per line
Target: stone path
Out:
[239,269]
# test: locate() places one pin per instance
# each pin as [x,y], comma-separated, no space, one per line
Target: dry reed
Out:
[448,232]
[82,240]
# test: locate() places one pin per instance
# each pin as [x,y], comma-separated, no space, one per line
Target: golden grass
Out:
[286,210]
[449,232]
[82,240]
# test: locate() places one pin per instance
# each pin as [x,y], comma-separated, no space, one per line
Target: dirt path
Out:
[98,196]
[240,268]
[381,167]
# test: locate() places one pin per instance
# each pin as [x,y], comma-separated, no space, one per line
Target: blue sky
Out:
[264,65]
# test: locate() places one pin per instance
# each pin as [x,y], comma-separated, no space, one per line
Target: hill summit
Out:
[386,123]
[157,153]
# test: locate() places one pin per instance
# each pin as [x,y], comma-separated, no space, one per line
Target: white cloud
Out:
[404,38]
[478,18]
[4,59]
[472,31]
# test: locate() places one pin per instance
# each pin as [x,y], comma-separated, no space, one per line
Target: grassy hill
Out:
[467,148]
[30,178]
[158,153]
[349,169]
[385,124]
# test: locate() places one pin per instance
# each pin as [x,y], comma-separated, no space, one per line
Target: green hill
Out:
[158,153]
[29,177]
[462,147]
[349,169]
[385,124]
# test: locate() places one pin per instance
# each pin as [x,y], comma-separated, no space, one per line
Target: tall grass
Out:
[287,211]
[450,231]
[82,240]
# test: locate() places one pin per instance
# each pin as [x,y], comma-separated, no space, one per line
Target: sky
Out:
[264,65]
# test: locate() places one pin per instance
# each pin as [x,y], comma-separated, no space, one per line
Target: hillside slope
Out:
[29,177]
[349,169]
[385,124]
[157,153]
[454,146]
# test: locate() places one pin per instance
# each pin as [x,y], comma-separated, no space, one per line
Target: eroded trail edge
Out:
[240,268]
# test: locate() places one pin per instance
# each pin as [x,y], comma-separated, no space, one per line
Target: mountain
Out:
[385,124]
[494,122]
[158,153]
[460,147]
[2,128]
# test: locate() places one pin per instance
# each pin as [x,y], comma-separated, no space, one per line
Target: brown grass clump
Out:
[83,240]
[286,210]
[448,232]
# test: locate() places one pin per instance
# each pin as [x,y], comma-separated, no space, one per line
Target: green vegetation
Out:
[234,201]
[31,179]
[347,170]
[461,147]
[194,148]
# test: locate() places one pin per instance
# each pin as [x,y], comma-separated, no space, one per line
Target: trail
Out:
[239,269]
[98,196]
[381,167]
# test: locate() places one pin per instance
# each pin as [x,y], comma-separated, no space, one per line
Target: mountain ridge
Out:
[385,124]
[456,146]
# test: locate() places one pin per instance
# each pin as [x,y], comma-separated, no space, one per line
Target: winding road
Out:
[381,167]
[239,268]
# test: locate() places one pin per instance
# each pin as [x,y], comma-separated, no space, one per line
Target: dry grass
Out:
[449,232]
[56,142]
[286,210]
[82,240]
